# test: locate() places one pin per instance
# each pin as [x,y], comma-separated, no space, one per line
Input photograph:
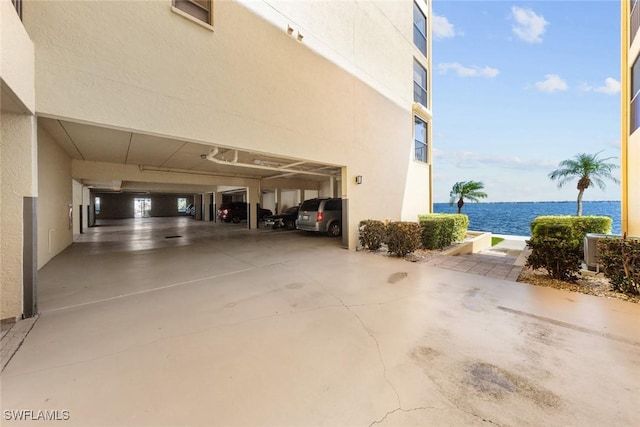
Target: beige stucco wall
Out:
[55,195]
[19,180]
[16,58]
[248,85]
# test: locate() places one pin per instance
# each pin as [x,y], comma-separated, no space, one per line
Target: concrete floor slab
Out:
[281,328]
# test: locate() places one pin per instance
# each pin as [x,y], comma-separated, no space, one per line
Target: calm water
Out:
[515,218]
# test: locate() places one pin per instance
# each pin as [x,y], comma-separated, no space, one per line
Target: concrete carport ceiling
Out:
[94,143]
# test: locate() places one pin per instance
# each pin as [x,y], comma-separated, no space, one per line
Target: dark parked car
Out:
[321,216]
[286,219]
[237,211]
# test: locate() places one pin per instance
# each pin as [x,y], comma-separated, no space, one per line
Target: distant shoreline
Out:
[546,201]
[514,218]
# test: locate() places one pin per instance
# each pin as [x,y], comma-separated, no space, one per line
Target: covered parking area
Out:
[111,161]
[108,194]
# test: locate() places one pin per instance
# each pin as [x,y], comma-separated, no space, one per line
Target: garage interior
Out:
[119,167]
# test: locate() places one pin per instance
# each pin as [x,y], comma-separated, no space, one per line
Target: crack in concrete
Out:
[375,340]
[420,408]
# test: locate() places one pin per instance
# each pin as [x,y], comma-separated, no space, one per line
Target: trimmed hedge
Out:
[560,257]
[620,259]
[440,230]
[576,227]
[403,237]
[373,234]
[557,243]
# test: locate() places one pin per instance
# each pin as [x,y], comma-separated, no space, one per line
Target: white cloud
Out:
[585,87]
[473,71]
[611,86]
[551,83]
[442,28]
[529,25]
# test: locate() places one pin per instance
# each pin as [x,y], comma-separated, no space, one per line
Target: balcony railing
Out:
[635,20]
[18,5]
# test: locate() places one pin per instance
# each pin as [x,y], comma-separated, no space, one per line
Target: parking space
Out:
[123,257]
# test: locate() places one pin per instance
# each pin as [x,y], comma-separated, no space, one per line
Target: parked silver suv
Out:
[322,216]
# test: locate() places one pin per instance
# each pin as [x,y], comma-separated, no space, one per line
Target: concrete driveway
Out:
[275,328]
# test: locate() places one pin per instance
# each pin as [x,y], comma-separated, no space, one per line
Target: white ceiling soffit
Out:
[87,142]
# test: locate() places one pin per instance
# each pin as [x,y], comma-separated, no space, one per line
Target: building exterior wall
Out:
[630,138]
[17,58]
[249,85]
[55,189]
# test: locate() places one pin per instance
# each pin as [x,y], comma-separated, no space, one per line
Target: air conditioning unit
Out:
[591,253]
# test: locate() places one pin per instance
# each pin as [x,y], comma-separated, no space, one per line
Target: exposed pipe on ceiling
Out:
[211,156]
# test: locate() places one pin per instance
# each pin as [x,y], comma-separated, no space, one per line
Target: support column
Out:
[217,201]
[349,237]
[253,198]
[205,207]
[30,253]
[76,195]
[277,199]
[197,203]
[86,195]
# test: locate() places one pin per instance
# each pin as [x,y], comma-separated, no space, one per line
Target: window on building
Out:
[182,205]
[420,139]
[419,29]
[635,96]
[97,205]
[419,83]
[200,9]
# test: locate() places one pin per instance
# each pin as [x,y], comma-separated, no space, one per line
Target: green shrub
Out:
[620,259]
[403,237]
[557,242]
[373,234]
[561,258]
[576,227]
[440,230]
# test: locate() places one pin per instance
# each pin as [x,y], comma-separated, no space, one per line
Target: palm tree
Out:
[466,190]
[588,168]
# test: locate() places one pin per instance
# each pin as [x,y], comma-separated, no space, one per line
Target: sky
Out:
[520,86]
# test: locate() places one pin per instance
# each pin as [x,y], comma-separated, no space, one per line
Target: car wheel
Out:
[334,230]
[290,225]
[235,219]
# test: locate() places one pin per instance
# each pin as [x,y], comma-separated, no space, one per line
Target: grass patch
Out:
[496,240]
